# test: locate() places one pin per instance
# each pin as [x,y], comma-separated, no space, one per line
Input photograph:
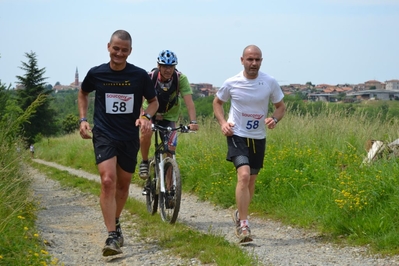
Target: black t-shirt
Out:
[119,95]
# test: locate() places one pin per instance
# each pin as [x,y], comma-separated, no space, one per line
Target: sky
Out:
[319,41]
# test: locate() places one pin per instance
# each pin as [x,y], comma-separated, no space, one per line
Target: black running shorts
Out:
[125,151]
[254,149]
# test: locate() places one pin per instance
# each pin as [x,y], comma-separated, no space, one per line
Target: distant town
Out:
[369,90]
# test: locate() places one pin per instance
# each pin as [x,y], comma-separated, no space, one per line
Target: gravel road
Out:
[72,224]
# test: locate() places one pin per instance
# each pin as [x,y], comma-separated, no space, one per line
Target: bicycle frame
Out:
[162,150]
[158,190]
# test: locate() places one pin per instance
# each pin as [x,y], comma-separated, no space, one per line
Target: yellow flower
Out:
[1,257]
[21,217]
[44,252]
[26,228]
[36,235]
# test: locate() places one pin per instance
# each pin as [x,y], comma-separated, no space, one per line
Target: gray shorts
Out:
[125,151]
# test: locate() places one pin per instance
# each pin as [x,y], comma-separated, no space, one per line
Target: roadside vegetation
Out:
[313,175]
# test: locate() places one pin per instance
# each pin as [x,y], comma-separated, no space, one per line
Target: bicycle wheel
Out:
[169,201]
[151,185]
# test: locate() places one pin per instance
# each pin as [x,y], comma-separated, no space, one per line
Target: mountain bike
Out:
[163,186]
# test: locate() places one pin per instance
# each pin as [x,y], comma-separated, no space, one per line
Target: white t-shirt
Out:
[249,102]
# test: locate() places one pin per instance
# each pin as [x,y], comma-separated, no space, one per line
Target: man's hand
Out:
[85,130]
[227,129]
[270,123]
[193,127]
[144,124]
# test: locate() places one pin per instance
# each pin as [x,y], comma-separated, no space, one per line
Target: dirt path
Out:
[72,223]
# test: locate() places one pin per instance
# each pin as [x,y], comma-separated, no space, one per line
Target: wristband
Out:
[83,119]
[194,122]
[275,119]
[146,116]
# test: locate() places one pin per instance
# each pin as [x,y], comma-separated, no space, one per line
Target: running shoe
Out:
[236,220]
[244,233]
[143,170]
[119,237]
[120,240]
[111,247]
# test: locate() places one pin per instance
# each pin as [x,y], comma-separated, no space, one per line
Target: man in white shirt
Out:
[250,92]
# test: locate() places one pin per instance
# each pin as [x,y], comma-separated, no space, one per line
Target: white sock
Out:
[244,223]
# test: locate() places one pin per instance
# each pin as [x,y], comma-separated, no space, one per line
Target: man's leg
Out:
[122,189]
[145,143]
[122,193]
[108,175]
[243,191]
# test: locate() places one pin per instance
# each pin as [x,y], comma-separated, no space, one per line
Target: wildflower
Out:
[21,217]
[26,228]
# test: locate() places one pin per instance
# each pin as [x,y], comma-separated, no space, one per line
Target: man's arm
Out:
[277,114]
[152,107]
[188,100]
[218,110]
[83,104]
[143,122]
[279,111]
[227,128]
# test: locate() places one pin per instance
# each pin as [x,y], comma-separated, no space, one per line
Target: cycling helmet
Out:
[167,57]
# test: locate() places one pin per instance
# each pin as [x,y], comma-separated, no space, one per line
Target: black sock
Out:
[146,162]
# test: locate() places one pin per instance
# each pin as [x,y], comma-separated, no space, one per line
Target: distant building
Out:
[392,85]
[374,83]
[73,86]
[205,89]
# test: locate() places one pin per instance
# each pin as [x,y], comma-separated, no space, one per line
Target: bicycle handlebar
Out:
[181,128]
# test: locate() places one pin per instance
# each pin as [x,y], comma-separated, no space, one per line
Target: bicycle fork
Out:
[162,173]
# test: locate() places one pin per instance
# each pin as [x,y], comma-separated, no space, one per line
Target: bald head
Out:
[251,48]
[251,60]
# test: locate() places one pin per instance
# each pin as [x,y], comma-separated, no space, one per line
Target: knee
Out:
[107,183]
[244,178]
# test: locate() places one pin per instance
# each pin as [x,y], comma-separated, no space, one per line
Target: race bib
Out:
[251,121]
[119,103]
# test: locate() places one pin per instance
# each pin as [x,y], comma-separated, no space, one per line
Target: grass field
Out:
[313,175]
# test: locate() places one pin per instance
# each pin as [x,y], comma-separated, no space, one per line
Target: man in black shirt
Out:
[119,90]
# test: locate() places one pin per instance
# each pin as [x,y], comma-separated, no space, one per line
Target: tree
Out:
[70,123]
[42,122]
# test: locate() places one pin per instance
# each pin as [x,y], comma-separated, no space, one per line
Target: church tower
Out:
[76,78]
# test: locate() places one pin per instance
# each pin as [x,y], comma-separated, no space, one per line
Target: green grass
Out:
[20,242]
[313,177]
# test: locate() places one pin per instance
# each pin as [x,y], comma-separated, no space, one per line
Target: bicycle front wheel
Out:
[169,201]
[151,187]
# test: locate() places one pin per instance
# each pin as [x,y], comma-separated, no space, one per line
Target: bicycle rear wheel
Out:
[169,201]
[152,195]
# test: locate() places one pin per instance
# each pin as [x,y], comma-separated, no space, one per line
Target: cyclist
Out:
[171,85]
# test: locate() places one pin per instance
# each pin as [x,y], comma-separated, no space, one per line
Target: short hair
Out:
[123,35]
